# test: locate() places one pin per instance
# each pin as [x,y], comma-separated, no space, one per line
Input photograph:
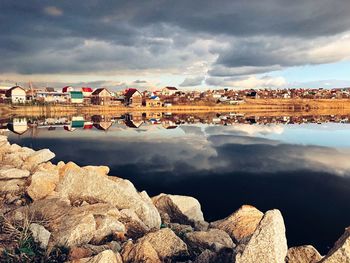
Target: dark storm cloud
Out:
[189,82]
[89,36]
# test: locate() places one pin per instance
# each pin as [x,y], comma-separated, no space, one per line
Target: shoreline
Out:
[76,214]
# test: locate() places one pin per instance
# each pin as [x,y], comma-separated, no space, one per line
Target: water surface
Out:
[299,165]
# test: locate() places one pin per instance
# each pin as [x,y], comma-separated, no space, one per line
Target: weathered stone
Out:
[208,256]
[106,226]
[37,158]
[97,170]
[268,243]
[303,254]
[241,224]
[180,230]
[214,239]
[13,173]
[179,209]
[105,189]
[42,184]
[107,256]
[13,159]
[134,226]
[14,185]
[340,251]
[3,138]
[40,235]
[162,245]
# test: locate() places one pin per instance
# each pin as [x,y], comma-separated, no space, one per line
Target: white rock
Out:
[40,235]
[13,173]
[37,158]
[341,250]
[42,184]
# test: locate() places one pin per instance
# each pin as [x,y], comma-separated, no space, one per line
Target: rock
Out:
[37,158]
[13,159]
[241,224]
[40,235]
[105,226]
[14,185]
[79,184]
[107,256]
[86,251]
[162,245]
[340,251]
[42,184]
[208,256]
[180,230]
[214,239]
[3,138]
[303,254]
[268,243]
[179,209]
[13,173]
[135,227]
[97,170]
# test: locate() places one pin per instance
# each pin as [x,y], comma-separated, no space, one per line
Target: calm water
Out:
[298,165]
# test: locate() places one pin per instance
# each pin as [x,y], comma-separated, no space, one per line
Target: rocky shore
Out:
[66,213]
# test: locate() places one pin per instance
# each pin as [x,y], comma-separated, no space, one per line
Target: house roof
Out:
[170,88]
[9,91]
[99,90]
[65,89]
[86,89]
[130,92]
[49,89]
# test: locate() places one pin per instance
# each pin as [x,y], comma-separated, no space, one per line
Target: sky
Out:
[195,44]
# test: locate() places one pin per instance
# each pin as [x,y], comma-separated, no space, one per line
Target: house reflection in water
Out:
[134,120]
[18,125]
[101,122]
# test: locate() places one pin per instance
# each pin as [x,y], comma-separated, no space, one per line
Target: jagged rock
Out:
[107,256]
[7,172]
[97,170]
[13,159]
[241,224]
[162,245]
[341,250]
[134,226]
[208,256]
[37,158]
[105,226]
[85,251]
[14,185]
[42,184]
[40,235]
[179,209]
[3,138]
[214,239]
[268,243]
[180,230]
[79,184]
[303,254]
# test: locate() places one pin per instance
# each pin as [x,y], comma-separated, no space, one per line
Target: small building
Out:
[67,89]
[18,125]
[87,91]
[153,101]
[76,97]
[16,94]
[101,96]
[168,91]
[49,95]
[133,98]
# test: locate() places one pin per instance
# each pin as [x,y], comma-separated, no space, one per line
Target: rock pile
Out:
[100,218]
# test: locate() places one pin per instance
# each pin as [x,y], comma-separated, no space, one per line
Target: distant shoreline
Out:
[312,106]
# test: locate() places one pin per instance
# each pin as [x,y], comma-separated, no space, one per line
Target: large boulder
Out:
[213,239]
[268,244]
[37,158]
[341,250]
[7,172]
[160,246]
[42,184]
[241,224]
[178,209]
[303,254]
[82,185]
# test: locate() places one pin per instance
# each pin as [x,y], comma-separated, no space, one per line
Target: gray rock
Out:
[179,209]
[37,158]
[40,235]
[268,243]
[303,254]
[12,173]
[341,250]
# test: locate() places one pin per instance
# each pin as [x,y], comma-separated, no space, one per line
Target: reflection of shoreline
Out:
[136,120]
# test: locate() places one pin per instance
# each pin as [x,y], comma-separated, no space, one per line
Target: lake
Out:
[298,164]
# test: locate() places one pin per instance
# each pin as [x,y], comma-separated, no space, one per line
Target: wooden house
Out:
[101,96]
[16,94]
[133,98]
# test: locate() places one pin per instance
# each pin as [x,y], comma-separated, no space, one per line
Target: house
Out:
[101,96]
[67,89]
[16,94]
[87,91]
[76,97]
[168,91]
[134,120]
[18,125]
[153,101]
[50,95]
[133,98]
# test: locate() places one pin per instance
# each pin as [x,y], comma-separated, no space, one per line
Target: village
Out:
[165,97]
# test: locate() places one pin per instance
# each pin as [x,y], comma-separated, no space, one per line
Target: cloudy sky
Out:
[191,44]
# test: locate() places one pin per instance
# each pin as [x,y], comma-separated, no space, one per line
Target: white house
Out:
[168,91]
[16,94]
